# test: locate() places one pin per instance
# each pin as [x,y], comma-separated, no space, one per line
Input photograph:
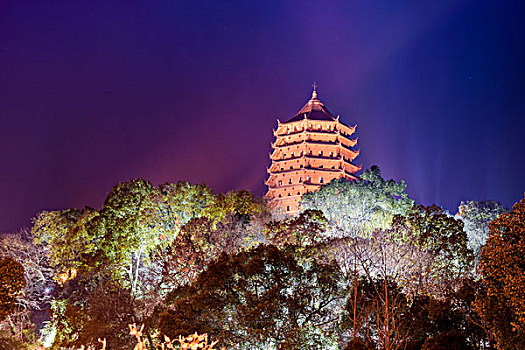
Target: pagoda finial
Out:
[314,93]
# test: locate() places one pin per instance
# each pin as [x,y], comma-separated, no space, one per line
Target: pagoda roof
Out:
[314,109]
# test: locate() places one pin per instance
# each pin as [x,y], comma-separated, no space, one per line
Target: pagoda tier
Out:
[310,150]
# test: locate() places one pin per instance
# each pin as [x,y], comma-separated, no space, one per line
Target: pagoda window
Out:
[308,178]
[290,181]
[298,193]
[295,128]
[293,154]
[282,169]
[301,166]
[289,194]
[280,195]
[300,179]
[310,152]
[320,153]
[301,153]
[333,167]
[321,180]
[331,154]
[321,166]
[287,208]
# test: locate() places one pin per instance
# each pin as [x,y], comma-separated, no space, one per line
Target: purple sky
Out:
[97,92]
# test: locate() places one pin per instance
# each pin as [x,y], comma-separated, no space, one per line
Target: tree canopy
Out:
[476,217]
[502,266]
[361,206]
[12,283]
[261,298]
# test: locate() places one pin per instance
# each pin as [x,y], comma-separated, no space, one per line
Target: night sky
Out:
[97,92]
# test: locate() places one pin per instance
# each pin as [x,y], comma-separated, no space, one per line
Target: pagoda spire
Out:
[314,93]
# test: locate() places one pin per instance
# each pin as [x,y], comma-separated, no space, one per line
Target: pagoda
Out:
[310,150]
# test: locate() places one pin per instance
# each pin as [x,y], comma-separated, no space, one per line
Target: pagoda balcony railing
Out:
[310,141]
[273,172]
[293,132]
[330,170]
[306,167]
[312,130]
[327,157]
[287,159]
[321,142]
[317,131]
[274,145]
[311,156]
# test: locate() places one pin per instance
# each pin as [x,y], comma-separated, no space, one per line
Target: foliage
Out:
[361,267]
[502,266]
[303,230]
[179,203]
[241,204]
[66,237]
[36,295]
[12,282]
[260,298]
[476,217]
[195,247]
[362,206]
[444,256]
[226,227]
[90,307]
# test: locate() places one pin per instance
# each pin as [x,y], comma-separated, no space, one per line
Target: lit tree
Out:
[443,257]
[37,292]
[232,223]
[502,266]
[359,207]
[308,228]
[258,299]
[177,204]
[67,239]
[476,217]
[12,283]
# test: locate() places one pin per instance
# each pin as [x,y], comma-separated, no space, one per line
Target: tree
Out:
[502,267]
[361,206]
[261,298]
[37,294]
[198,243]
[230,224]
[306,229]
[444,257]
[12,283]
[90,306]
[67,238]
[476,217]
[179,203]
[381,313]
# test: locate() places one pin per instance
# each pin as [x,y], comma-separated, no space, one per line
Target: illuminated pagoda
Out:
[311,149]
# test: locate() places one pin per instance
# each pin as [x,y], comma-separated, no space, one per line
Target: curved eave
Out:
[351,169]
[348,129]
[347,142]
